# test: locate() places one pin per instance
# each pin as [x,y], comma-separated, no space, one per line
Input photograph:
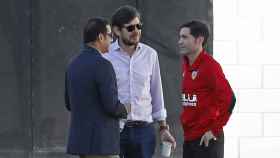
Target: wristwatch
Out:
[163,127]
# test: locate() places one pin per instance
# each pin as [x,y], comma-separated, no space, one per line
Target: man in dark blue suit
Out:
[91,96]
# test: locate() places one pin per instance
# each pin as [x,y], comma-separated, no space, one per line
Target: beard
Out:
[129,42]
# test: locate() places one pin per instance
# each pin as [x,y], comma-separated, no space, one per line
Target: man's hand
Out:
[205,139]
[128,107]
[165,135]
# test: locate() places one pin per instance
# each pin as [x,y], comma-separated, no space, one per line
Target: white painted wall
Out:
[246,43]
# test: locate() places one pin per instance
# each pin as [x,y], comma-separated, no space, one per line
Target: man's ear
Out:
[100,37]
[116,31]
[200,39]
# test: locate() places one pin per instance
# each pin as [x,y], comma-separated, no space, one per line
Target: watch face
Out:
[163,127]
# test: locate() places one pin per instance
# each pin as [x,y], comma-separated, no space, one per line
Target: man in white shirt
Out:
[139,84]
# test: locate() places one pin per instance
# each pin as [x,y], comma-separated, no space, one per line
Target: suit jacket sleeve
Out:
[66,96]
[108,92]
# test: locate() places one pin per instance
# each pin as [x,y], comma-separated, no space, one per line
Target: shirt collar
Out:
[197,61]
[116,47]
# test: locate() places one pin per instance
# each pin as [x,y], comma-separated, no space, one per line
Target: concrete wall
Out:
[15,80]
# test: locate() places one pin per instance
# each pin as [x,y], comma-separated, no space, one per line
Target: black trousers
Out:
[215,149]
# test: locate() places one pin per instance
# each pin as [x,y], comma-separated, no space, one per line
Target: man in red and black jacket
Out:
[207,97]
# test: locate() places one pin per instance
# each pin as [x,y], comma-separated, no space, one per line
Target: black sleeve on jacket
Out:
[232,103]
[108,92]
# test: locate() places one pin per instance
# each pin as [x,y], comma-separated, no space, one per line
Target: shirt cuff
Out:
[160,115]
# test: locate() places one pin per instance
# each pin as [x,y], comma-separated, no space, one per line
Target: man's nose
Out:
[179,41]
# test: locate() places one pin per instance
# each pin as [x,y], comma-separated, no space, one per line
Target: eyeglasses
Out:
[110,35]
[131,28]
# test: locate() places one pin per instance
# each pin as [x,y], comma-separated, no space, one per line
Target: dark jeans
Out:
[215,149]
[138,142]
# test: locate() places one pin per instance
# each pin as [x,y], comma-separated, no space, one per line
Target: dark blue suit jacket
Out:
[92,97]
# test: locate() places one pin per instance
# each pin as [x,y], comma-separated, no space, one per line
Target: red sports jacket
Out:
[207,97]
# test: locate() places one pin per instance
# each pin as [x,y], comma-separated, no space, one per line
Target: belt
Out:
[136,123]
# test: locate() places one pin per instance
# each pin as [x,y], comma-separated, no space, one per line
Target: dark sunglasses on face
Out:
[131,28]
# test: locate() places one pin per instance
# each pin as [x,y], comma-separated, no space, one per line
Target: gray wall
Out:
[37,39]
[15,79]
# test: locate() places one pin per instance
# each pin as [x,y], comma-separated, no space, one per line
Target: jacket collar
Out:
[197,61]
[86,48]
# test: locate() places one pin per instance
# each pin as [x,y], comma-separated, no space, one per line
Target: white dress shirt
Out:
[139,81]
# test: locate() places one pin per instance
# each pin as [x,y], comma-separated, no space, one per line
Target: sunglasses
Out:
[131,28]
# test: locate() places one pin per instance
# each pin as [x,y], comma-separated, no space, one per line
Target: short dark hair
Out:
[124,15]
[93,28]
[197,28]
